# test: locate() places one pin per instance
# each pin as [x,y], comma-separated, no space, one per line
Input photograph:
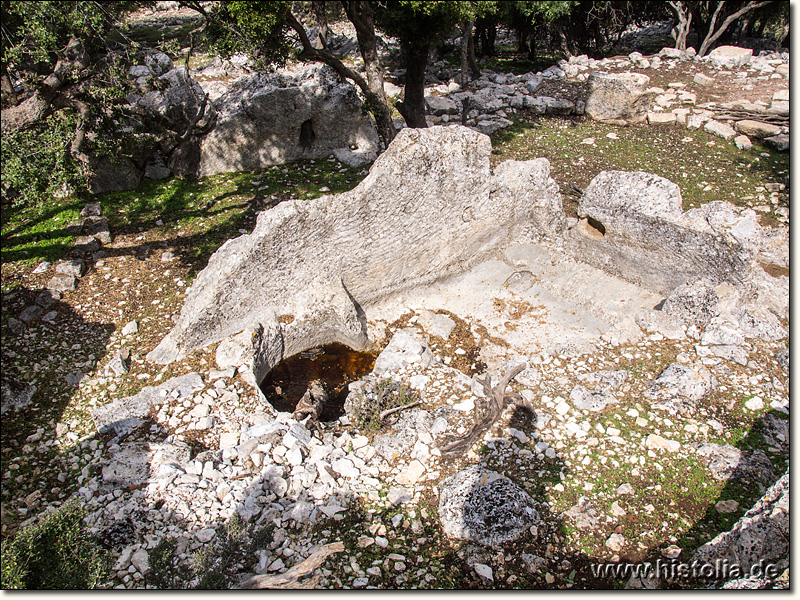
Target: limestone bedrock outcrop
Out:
[430,207]
[762,534]
[633,227]
[263,121]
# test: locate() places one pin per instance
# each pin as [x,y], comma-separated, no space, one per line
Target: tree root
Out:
[311,404]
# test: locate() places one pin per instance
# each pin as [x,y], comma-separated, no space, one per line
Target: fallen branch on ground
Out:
[497,401]
[290,579]
[390,411]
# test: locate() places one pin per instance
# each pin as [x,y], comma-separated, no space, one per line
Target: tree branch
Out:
[391,411]
[290,579]
[311,53]
[710,39]
[35,107]
[80,132]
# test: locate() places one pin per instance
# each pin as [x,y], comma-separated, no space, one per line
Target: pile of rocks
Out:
[613,93]
[93,231]
[275,471]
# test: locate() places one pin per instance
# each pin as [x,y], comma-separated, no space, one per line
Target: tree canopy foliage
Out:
[64,65]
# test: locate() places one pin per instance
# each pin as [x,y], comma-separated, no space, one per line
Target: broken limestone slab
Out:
[15,394]
[743,142]
[441,105]
[436,324]
[694,302]
[727,462]
[780,142]
[656,118]
[656,321]
[722,130]
[128,466]
[756,129]
[62,283]
[634,227]
[404,349]
[593,400]
[701,79]
[689,381]
[430,207]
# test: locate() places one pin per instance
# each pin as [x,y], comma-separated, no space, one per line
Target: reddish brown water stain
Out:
[335,365]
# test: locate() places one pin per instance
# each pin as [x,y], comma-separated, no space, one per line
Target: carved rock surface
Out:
[634,228]
[429,208]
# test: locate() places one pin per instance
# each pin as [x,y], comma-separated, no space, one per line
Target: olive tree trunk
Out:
[413,106]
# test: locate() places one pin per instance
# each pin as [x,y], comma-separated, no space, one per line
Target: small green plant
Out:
[384,395]
[212,564]
[230,554]
[164,572]
[55,553]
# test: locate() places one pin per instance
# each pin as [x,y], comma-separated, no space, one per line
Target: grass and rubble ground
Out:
[190,220]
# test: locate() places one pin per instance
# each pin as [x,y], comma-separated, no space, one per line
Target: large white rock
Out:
[441,105]
[688,381]
[618,97]
[729,57]
[634,227]
[484,507]
[756,129]
[264,120]
[429,208]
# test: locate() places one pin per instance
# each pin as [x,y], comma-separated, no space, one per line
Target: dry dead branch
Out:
[290,580]
[390,411]
[496,401]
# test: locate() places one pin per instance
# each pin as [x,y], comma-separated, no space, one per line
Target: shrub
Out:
[36,163]
[55,553]
[365,406]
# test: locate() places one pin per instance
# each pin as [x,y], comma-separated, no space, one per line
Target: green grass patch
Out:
[200,215]
[706,168]
[34,233]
